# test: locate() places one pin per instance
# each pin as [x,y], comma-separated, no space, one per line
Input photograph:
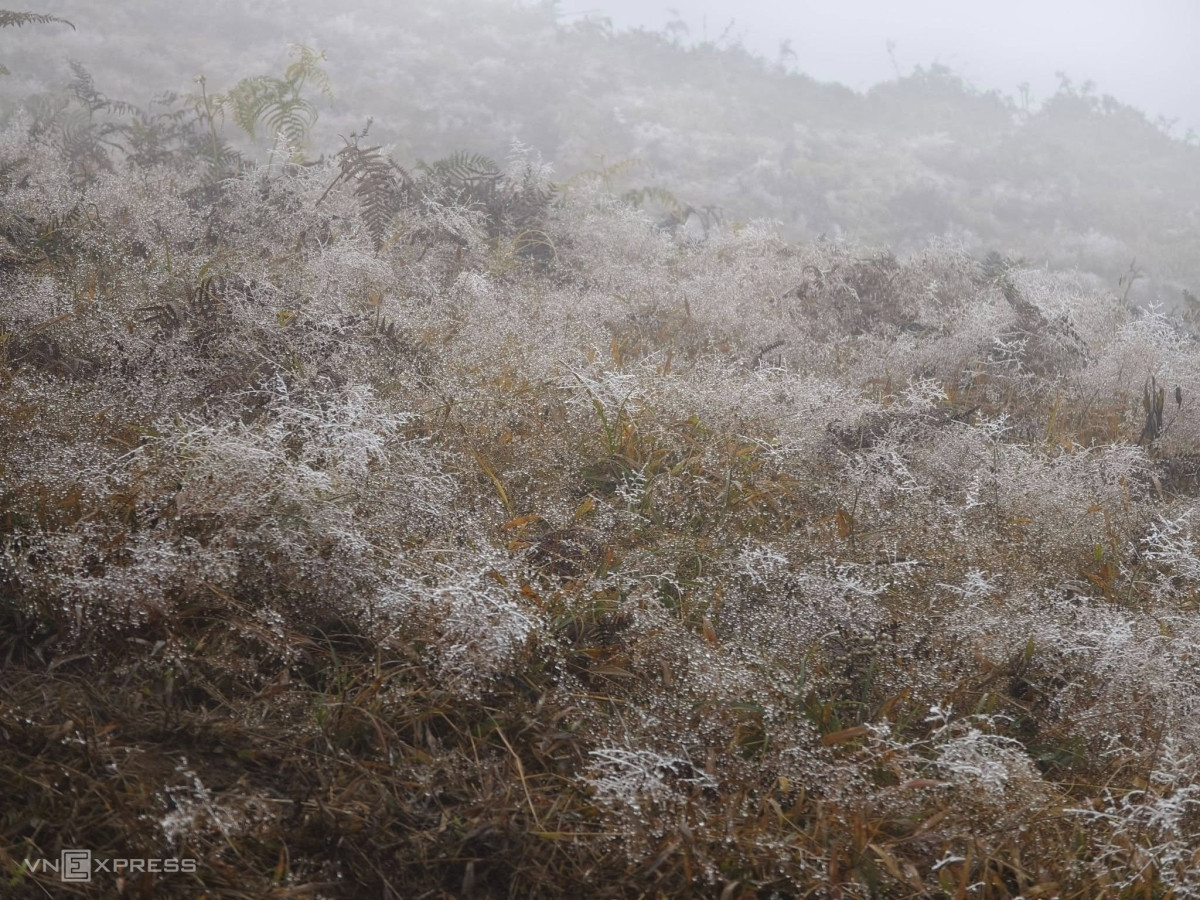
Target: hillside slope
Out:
[1079,181]
[367,534]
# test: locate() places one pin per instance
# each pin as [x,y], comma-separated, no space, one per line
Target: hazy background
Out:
[1147,54]
[890,124]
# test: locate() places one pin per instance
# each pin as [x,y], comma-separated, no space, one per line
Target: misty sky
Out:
[1145,53]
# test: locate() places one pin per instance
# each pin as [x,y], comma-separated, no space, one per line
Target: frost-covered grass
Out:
[593,564]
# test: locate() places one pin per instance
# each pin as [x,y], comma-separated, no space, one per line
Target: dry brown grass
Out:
[694,596]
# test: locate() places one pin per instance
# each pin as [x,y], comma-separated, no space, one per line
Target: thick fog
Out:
[1063,133]
[1144,53]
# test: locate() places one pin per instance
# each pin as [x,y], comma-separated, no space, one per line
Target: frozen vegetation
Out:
[1074,179]
[380,529]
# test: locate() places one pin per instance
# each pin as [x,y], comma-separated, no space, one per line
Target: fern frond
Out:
[307,68]
[524,203]
[639,197]
[249,99]
[275,103]
[220,158]
[460,168]
[83,87]
[381,187]
[464,179]
[293,117]
[9,19]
